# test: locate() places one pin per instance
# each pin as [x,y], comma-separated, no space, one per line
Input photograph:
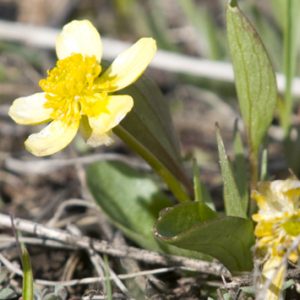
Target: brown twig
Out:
[88,280]
[84,242]
[44,166]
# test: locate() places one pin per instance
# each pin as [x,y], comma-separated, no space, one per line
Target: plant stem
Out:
[289,58]
[253,161]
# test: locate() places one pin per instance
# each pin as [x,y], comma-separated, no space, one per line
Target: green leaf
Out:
[107,282]
[240,168]
[196,181]
[132,200]
[27,289]
[149,131]
[254,76]
[200,191]
[234,206]
[195,227]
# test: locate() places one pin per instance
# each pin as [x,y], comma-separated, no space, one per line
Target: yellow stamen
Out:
[70,88]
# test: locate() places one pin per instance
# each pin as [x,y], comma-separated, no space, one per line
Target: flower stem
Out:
[289,59]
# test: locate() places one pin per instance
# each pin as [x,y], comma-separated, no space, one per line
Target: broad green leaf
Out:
[27,289]
[240,168]
[254,76]
[148,130]
[234,205]
[190,226]
[132,200]
[266,28]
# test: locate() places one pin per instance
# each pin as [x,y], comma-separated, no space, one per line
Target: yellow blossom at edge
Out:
[278,225]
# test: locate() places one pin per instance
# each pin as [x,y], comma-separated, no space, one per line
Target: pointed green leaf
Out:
[197,186]
[200,191]
[149,131]
[240,168]
[232,198]
[27,289]
[189,226]
[254,75]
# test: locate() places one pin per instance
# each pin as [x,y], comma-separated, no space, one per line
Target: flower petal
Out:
[98,140]
[79,37]
[276,197]
[273,277]
[129,65]
[117,108]
[30,110]
[53,138]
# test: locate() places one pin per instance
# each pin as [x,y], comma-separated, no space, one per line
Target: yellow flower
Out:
[278,227]
[74,95]
[273,274]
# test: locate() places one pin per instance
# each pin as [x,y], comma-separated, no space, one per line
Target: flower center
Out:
[70,88]
[292,226]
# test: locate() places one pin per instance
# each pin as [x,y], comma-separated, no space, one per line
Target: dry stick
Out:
[44,166]
[42,242]
[104,247]
[87,280]
[8,241]
[70,202]
[99,266]
[90,280]
[10,266]
[44,37]
[236,282]
[98,263]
